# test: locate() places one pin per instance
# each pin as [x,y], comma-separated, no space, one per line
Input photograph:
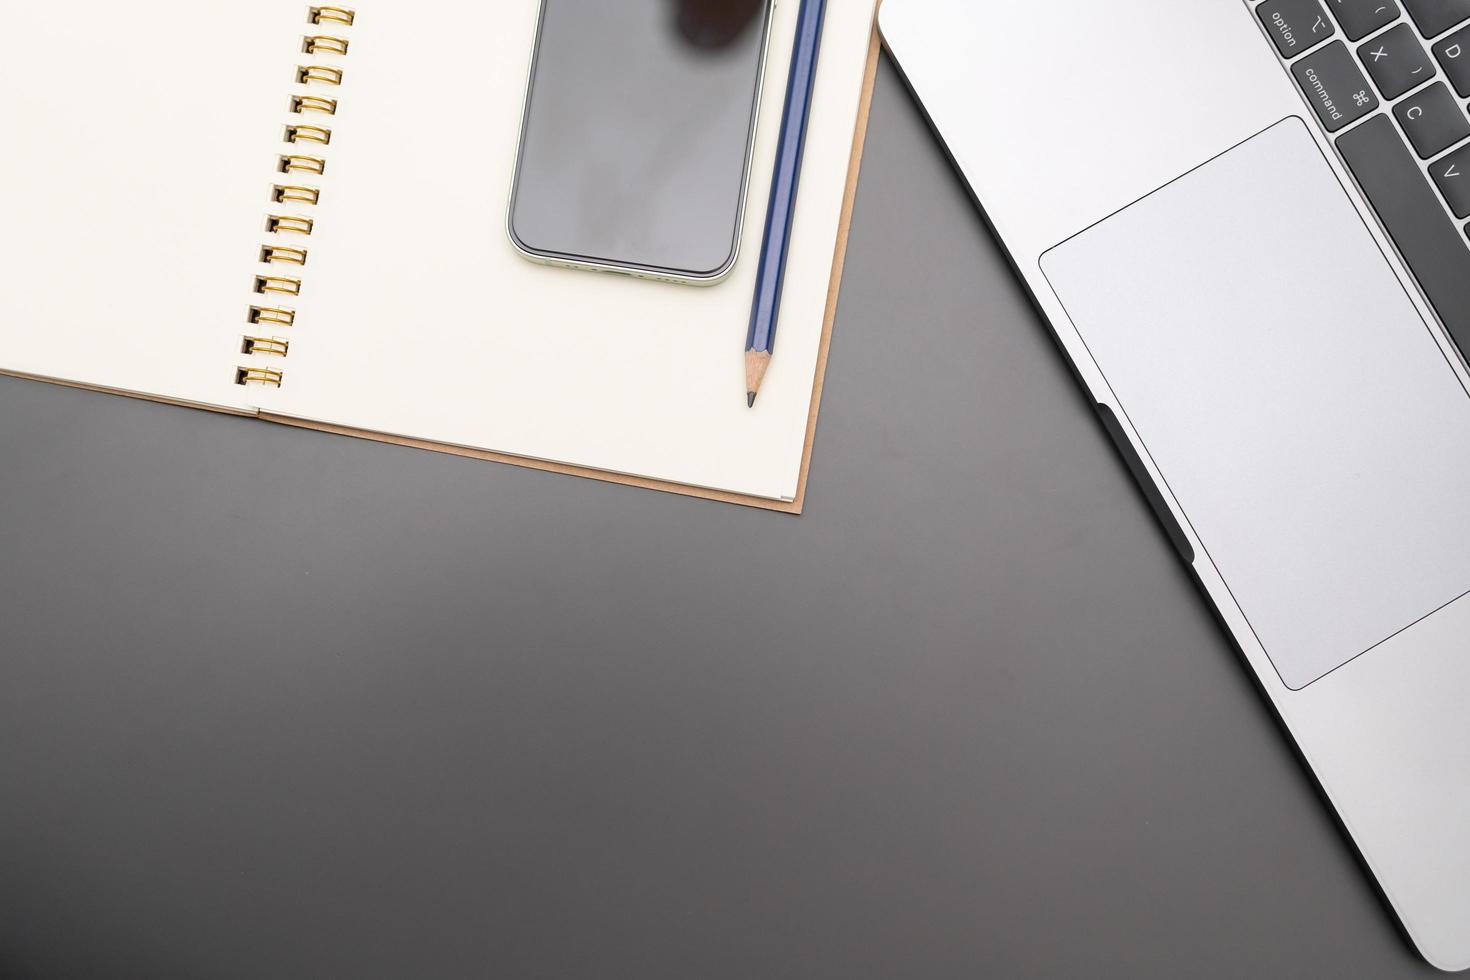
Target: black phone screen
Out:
[636,137]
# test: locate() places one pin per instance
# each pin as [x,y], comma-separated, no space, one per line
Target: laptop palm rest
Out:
[1294,401]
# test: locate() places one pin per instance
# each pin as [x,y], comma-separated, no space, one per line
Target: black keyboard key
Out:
[1359,18]
[1295,25]
[1397,61]
[1426,238]
[1453,54]
[1433,120]
[1437,16]
[1335,86]
[1452,173]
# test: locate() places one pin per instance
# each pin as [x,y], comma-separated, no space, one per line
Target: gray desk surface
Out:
[282,705]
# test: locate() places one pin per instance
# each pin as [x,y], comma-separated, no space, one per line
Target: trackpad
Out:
[1291,396]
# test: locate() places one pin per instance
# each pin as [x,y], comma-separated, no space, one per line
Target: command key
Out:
[1335,86]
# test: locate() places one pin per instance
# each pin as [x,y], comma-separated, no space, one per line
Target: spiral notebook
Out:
[296,212]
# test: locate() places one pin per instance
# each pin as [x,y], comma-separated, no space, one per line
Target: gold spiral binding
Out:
[276,253]
[282,253]
[283,194]
[259,376]
[274,315]
[281,224]
[295,163]
[302,133]
[318,75]
[324,44]
[332,15]
[274,346]
[284,285]
[301,104]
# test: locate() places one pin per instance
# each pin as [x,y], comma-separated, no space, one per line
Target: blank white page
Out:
[139,146]
[425,323]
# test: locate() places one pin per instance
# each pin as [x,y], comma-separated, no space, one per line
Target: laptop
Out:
[1245,223]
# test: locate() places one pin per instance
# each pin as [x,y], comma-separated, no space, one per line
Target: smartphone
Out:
[637,135]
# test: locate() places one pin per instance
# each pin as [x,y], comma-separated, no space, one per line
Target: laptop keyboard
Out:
[1389,80]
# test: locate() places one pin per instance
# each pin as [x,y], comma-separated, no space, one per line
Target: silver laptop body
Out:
[1184,186]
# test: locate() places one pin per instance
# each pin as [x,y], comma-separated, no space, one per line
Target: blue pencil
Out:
[761,341]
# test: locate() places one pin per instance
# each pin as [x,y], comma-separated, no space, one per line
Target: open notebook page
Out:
[138,165]
[425,323]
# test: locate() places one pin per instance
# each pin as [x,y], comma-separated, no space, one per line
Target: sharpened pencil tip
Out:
[756,362]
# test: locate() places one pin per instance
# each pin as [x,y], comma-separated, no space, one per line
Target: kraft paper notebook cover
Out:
[166,239]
